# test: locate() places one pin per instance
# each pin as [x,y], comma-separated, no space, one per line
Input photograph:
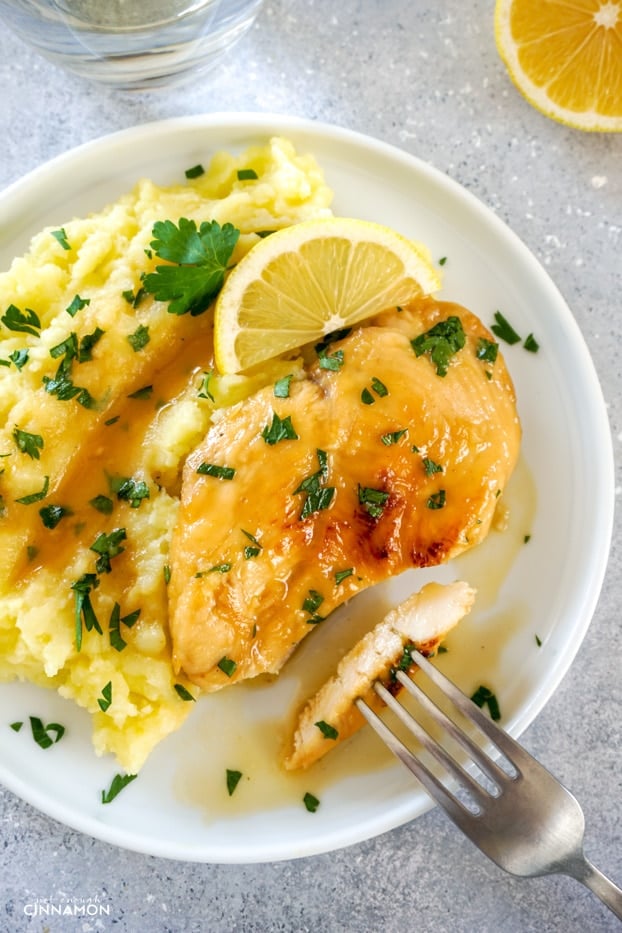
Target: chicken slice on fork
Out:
[421,622]
[390,454]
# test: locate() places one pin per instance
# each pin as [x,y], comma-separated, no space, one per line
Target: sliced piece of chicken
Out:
[331,716]
[392,466]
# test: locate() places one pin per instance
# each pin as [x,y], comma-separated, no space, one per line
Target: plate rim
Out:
[281,124]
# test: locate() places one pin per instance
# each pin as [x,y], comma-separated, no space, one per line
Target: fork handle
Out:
[604,889]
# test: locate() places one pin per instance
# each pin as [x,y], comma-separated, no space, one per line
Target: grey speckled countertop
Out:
[426,77]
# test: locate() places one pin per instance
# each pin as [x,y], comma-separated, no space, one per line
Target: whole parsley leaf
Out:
[199,258]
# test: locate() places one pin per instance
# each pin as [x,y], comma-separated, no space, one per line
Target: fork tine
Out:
[432,746]
[514,752]
[492,770]
[436,789]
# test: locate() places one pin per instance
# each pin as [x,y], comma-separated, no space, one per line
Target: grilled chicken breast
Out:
[390,454]
[421,621]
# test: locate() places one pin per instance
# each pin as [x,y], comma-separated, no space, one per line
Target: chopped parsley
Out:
[19,358]
[139,339]
[311,604]
[142,394]
[392,437]
[247,174]
[134,298]
[442,342]
[119,781]
[252,549]
[61,237]
[41,733]
[227,666]
[16,726]
[204,389]
[233,779]
[318,496]
[51,515]
[280,429]
[70,349]
[404,663]
[62,386]
[331,361]
[76,305]
[328,731]
[538,641]
[341,575]
[504,330]
[483,696]
[102,504]
[67,348]
[129,490]
[107,546]
[195,171]
[372,500]
[84,611]
[487,350]
[105,700]
[281,387]
[114,626]
[216,470]
[30,444]
[21,322]
[431,467]
[310,802]
[198,259]
[379,387]
[530,343]
[36,496]
[184,694]
[437,500]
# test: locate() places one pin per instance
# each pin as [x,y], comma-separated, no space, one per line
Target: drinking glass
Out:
[131,43]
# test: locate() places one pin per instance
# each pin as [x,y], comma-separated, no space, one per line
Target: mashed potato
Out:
[89,484]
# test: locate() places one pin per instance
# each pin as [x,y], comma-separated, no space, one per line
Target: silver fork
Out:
[522,818]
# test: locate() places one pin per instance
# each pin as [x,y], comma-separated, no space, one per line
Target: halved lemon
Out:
[311,279]
[565,57]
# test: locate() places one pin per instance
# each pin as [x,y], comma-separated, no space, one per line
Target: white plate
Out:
[547,587]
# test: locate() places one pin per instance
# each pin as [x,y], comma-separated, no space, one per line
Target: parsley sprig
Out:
[199,258]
